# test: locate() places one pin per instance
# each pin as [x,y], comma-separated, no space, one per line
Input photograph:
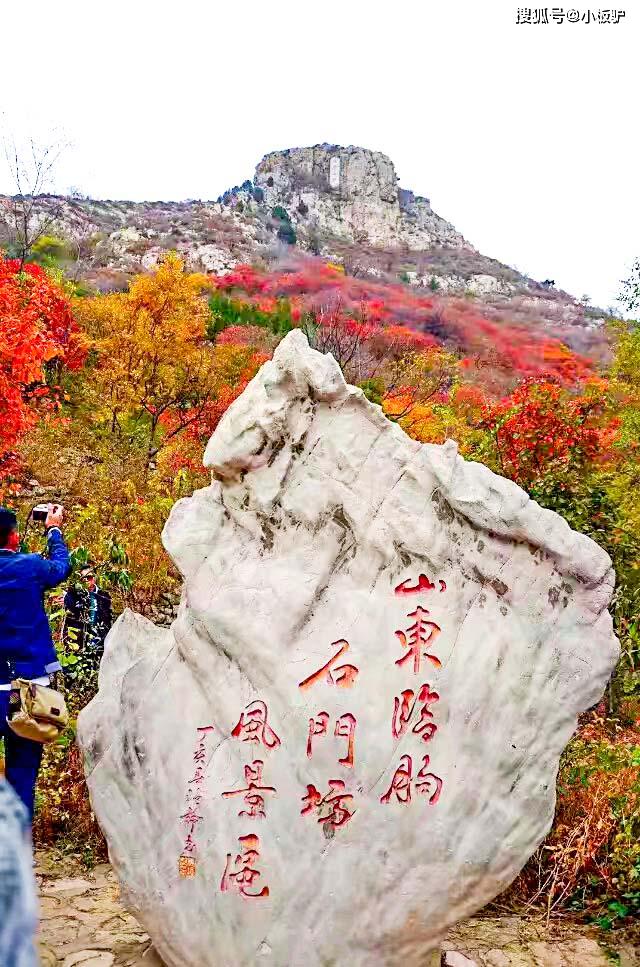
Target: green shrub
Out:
[374,390]
[226,311]
[287,233]
[51,252]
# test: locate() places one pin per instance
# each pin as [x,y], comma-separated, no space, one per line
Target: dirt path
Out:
[83,924]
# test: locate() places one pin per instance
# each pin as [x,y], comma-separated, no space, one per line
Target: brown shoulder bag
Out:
[42,715]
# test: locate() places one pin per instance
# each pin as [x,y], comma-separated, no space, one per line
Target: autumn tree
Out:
[416,379]
[542,430]
[330,330]
[234,364]
[153,358]
[625,368]
[37,328]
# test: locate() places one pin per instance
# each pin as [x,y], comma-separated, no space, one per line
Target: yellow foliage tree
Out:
[414,382]
[152,355]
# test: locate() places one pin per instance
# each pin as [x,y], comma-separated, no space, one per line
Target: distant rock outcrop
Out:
[352,192]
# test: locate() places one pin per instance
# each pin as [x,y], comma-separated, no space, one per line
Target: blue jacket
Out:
[26,646]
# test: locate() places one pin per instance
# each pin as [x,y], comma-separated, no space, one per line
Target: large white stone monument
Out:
[350,736]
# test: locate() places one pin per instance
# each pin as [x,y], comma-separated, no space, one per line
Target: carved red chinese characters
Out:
[401,782]
[191,819]
[334,809]
[317,726]
[345,728]
[418,638]
[254,792]
[343,675]
[403,708]
[241,874]
[254,727]
[423,584]
[187,860]
[426,783]
[412,711]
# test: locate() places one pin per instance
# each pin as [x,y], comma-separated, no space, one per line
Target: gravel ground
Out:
[83,924]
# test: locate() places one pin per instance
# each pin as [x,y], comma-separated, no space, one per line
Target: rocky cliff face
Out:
[352,193]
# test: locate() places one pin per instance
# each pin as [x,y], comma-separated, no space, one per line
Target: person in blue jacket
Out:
[26,645]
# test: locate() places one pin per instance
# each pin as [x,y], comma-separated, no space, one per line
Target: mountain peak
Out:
[352,193]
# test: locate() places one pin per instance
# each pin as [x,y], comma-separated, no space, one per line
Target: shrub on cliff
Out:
[285,230]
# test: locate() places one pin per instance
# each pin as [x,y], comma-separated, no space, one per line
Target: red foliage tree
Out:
[394,342]
[341,335]
[243,277]
[255,336]
[541,429]
[36,328]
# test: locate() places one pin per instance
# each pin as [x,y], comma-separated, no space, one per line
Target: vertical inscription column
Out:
[334,172]
[418,640]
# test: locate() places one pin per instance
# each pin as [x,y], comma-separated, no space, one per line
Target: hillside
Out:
[340,204]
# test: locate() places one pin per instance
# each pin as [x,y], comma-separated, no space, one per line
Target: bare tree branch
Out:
[31,173]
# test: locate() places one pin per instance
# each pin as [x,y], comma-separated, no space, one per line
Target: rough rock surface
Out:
[354,192]
[477,631]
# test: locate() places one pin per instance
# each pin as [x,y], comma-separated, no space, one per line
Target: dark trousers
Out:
[22,759]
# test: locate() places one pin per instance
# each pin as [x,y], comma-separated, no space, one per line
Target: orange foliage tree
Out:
[37,328]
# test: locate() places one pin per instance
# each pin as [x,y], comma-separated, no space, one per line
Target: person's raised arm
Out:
[58,566]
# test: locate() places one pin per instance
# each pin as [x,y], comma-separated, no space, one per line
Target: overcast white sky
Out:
[525,137]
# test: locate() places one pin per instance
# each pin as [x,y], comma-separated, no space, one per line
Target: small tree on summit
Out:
[287,233]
